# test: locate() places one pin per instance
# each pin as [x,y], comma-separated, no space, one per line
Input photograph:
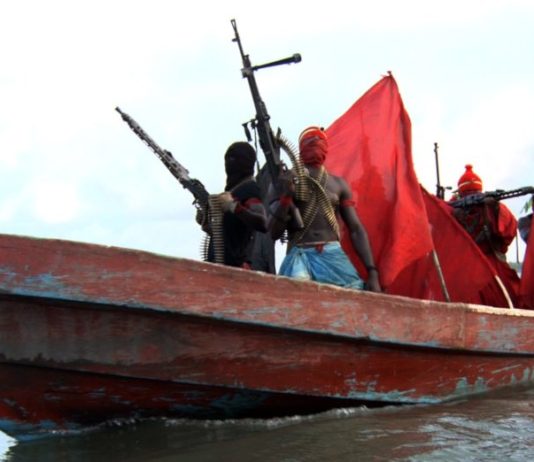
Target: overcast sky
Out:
[71,168]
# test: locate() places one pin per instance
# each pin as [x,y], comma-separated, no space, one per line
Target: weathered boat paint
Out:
[203,340]
[67,401]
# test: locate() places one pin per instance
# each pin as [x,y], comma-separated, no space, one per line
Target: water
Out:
[494,428]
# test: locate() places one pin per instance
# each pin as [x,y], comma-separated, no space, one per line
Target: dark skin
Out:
[320,230]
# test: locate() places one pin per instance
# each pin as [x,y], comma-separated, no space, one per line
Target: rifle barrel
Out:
[194,186]
[498,194]
[296,58]
[270,147]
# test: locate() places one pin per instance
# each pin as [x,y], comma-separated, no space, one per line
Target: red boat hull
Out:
[37,402]
[104,333]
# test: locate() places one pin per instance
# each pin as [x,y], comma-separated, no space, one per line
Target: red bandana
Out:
[313,146]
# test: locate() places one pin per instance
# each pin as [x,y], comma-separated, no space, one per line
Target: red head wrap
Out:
[469,182]
[313,146]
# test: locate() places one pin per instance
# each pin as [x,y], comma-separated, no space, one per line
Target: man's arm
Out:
[358,236]
[251,212]
[506,224]
[280,207]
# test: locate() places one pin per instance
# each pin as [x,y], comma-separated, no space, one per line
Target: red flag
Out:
[526,290]
[469,276]
[370,146]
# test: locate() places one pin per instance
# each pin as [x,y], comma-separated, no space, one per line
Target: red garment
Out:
[370,146]
[469,275]
[508,276]
[506,226]
[526,289]
[455,251]
[493,227]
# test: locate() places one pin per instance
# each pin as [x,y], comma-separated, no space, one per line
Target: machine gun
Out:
[208,206]
[268,142]
[194,186]
[498,195]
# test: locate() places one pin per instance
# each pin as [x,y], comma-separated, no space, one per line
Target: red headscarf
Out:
[313,146]
[469,182]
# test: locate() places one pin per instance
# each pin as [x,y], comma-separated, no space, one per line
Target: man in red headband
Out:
[314,251]
[491,225]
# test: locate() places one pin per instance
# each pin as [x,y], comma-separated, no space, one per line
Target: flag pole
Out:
[440,275]
[504,292]
[440,190]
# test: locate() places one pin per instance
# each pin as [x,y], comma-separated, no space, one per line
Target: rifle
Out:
[268,142]
[194,186]
[440,190]
[498,195]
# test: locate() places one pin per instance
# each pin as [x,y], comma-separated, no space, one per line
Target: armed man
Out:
[229,219]
[314,249]
[490,223]
[242,209]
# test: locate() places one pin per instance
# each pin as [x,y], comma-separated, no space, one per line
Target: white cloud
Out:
[55,202]
[8,208]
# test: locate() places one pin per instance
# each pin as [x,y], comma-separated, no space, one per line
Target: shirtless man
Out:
[314,251]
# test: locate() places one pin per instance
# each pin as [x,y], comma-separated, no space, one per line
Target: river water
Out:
[499,427]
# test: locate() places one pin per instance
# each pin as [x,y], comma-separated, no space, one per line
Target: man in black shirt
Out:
[242,206]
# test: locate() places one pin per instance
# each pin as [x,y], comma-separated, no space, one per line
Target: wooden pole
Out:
[505,292]
[440,275]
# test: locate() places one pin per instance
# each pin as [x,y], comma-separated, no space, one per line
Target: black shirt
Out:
[237,235]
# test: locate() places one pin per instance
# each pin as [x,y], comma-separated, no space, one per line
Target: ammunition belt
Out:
[216,238]
[318,201]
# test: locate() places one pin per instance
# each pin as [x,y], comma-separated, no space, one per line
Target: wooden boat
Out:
[90,333]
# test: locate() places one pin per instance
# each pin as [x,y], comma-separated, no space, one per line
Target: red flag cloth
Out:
[469,276]
[419,279]
[493,227]
[370,146]
[526,289]
[506,226]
